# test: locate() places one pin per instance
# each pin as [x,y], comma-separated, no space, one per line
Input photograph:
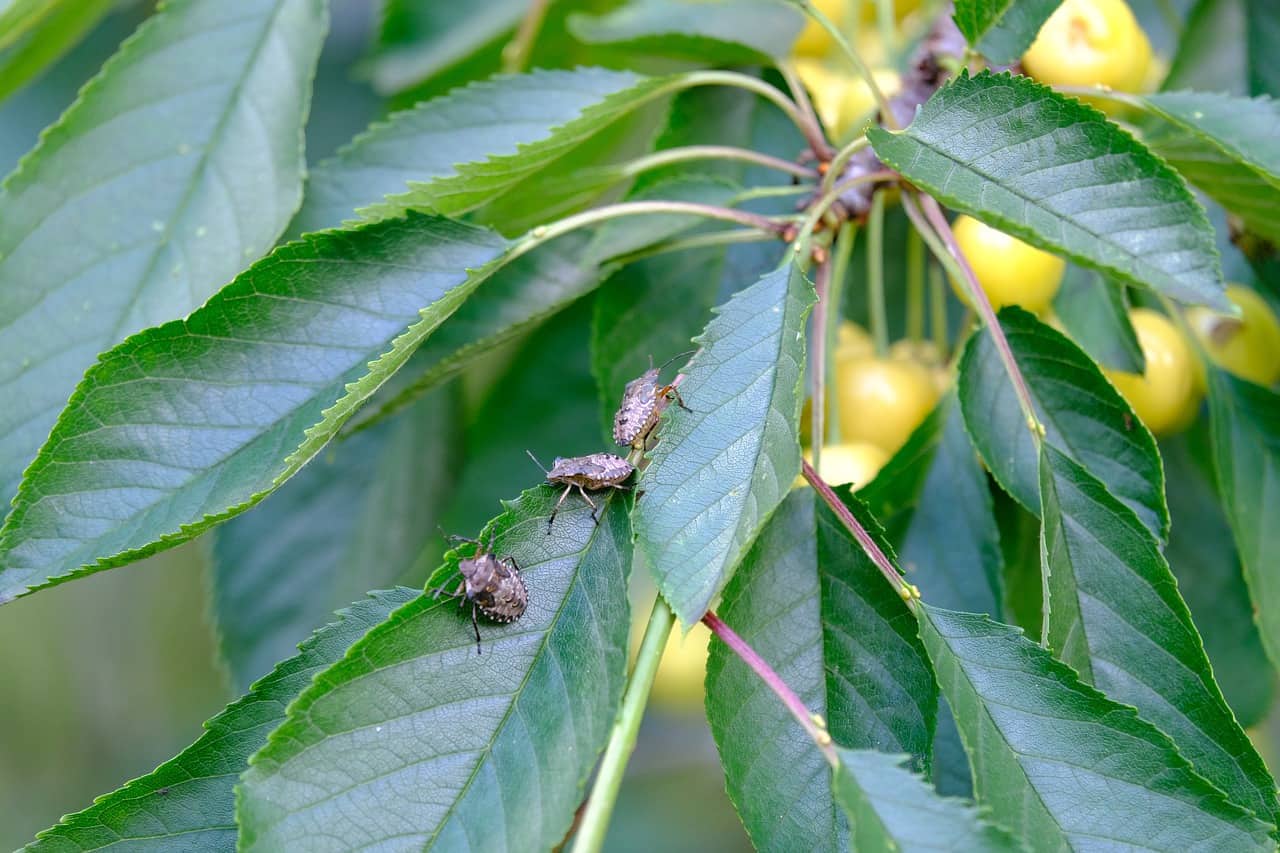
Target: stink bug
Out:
[643,402]
[493,586]
[592,472]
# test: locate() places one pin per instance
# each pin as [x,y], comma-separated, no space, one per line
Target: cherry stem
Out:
[818,363]
[937,233]
[882,562]
[813,724]
[813,134]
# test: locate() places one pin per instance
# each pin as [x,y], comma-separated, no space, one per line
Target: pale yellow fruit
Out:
[679,683]
[814,40]
[1248,345]
[1164,395]
[1010,271]
[881,401]
[1091,43]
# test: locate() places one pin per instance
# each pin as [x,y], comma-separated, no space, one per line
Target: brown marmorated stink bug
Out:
[592,472]
[643,402]
[492,584]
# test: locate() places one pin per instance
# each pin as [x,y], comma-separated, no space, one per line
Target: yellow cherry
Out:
[881,401]
[1248,345]
[1009,271]
[1089,43]
[1164,396]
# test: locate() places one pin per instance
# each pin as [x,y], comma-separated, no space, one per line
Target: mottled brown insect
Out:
[643,402]
[592,472]
[492,584]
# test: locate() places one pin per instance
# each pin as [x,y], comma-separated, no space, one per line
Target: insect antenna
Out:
[536,462]
[664,364]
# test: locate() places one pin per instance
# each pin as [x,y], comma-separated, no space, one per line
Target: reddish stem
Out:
[908,592]
[811,723]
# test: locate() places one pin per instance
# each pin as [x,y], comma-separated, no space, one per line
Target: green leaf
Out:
[1002,30]
[189,423]
[610,96]
[356,517]
[514,300]
[934,500]
[1264,32]
[726,32]
[1060,764]
[1224,145]
[891,808]
[418,40]
[1208,56]
[720,469]
[49,37]
[177,165]
[414,739]
[802,588]
[1115,616]
[1083,416]
[1245,422]
[467,147]
[1203,557]
[1003,148]
[187,803]
[1095,314]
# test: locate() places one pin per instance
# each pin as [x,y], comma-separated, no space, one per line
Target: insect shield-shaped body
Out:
[643,402]
[592,472]
[493,585]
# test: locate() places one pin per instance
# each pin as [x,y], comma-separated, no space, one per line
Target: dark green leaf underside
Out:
[1245,421]
[1083,415]
[800,588]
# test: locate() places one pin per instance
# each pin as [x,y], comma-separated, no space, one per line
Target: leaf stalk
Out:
[812,723]
[622,740]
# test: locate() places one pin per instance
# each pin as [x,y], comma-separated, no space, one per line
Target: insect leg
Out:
[475,626]
[594,508]
[671,389]
[552,519]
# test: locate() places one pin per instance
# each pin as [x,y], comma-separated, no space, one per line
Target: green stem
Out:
[622,741]
[841,160]
[818,363]
[812,133]
[886,115]
[770,192]
[875,275]
[801,96]
[937,234]
[546,233]
[938,309]
[915,286]
[697,241]
[841,251]
[516,54]
[715,152]
[885,21]
[819,208]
